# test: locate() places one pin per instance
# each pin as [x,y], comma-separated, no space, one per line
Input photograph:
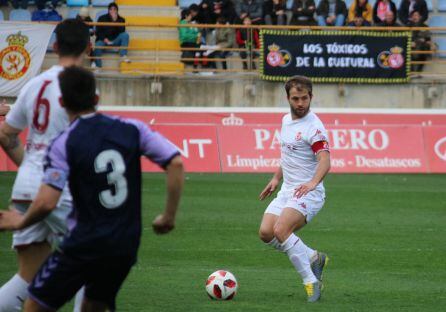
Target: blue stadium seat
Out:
[441,43]
[72,13]
[186,3]
[100,13]
[20,15]
[437,21]
[77,2]
[430,6]
[397,3]
[441,5]
[101,3]
[2,17]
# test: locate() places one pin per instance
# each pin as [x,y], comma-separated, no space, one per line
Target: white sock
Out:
[78,300]
[275,244]
[297,253]
[311,253]
[13,294]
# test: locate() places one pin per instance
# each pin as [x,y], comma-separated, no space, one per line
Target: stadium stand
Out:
[2,17]
[77,3]
[186,3]
[101,3]
[20,15]
[441,5]
[72,13]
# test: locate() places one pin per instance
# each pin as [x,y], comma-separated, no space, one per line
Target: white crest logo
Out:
[440,148]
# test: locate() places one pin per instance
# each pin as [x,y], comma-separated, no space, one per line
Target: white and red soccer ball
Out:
[221,285]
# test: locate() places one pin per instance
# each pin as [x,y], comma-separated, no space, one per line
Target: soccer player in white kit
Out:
[38,108]
[305,160]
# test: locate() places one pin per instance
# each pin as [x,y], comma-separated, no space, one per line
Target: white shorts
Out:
[51,229]
[308,205]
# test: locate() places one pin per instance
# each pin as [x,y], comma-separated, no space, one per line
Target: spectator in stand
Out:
[226,9]
[48,14]
[42,3]
[303,12]
[274,12]
[331,13]
[84,16]
[380,10]
[408,6]
[224,39]
[205,13]
[189,37]
[421,40]
[115,36]
[249,40]
[251,8]
[20,4]
[389,20]
[360,13]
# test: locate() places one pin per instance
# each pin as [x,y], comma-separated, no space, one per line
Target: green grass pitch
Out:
[385,236]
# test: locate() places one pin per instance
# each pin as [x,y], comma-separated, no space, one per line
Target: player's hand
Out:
[269,189]
[304,189]
[10,220]
[162,224]
[4,108]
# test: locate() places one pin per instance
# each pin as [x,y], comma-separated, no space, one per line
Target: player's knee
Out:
[281,232]
[266,235]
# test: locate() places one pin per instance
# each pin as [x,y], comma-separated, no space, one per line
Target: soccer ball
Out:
[221,285]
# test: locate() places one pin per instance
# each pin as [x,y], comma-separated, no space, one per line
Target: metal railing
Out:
[159,55]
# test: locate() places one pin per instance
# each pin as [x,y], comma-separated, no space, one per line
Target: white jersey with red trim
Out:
[301,140]
[37,108]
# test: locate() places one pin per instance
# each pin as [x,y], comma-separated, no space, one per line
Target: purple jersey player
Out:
[99,157]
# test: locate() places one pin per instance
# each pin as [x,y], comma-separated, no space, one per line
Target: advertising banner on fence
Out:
[198,146]
[336,56]
[229,143]
[22,49]
[435,144]
[367,149]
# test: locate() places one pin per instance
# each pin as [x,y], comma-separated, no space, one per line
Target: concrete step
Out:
[152,33]
[147,2]
[152,68]
[152,20]
[155,44]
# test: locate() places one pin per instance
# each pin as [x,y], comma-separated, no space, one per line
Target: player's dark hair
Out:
[72,36]
[300,83]
[78,89]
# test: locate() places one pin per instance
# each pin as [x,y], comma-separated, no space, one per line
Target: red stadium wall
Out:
[225,141]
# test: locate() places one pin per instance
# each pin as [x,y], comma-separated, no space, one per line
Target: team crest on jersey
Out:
[14,59]
[298,136]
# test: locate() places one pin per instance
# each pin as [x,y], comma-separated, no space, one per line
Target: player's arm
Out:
[323,166]
[174,184]
[162,152]
[10,142]
[45,201]
[272,184]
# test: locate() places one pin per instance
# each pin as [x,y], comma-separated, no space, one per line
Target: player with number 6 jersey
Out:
[38,108]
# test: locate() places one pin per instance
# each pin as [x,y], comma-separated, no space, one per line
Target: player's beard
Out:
[300,113]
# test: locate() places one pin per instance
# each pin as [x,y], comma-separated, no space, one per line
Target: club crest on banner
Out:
[14,59]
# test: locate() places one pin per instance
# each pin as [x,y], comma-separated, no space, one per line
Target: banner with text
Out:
[336,56]
[232,142]
[22,49]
